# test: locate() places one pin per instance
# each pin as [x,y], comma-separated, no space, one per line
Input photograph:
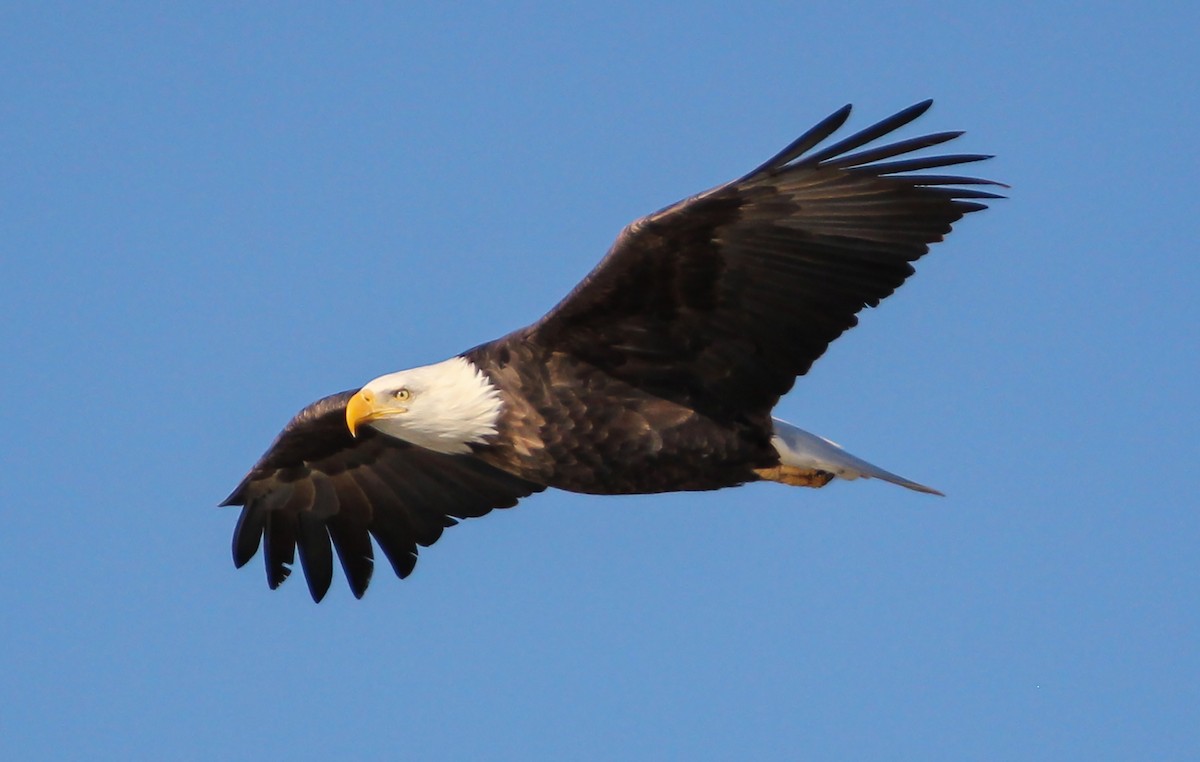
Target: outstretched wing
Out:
[722,299]
[317,484]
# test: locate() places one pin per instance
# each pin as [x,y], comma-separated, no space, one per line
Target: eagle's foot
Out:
[794,476]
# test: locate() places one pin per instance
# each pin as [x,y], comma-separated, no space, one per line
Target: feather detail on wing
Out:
[719,301]
[318,489]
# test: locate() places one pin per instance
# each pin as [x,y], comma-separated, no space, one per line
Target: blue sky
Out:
[215,214]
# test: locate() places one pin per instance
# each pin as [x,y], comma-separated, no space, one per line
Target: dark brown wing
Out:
[316,484]
[721,300]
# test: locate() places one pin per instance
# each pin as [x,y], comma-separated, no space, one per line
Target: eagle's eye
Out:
[403,395]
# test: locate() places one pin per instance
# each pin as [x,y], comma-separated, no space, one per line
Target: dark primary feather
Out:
[319,490]
[722,299]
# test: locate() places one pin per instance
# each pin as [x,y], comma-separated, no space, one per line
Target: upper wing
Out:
[722,299]
[317,483]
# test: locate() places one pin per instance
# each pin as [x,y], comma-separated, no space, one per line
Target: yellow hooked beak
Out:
[363,408]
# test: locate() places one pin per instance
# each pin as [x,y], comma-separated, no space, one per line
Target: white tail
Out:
[800,449]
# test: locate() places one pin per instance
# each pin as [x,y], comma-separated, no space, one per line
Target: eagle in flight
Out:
[657,373]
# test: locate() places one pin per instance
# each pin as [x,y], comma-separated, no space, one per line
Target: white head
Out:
[441,407]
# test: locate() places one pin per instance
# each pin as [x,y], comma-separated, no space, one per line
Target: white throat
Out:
[450,405]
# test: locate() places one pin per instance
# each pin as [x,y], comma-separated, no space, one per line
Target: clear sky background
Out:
[212,214]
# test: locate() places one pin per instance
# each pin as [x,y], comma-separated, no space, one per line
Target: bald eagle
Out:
[657,373]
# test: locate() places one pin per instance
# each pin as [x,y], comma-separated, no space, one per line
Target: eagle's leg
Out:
[795,476]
